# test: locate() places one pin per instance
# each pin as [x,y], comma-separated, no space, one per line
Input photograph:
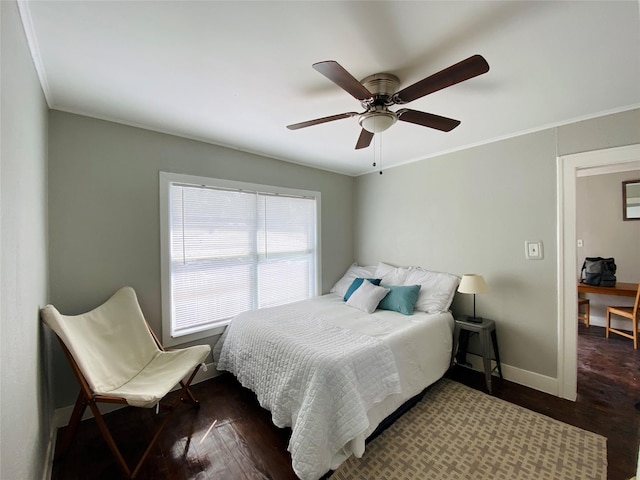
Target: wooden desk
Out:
[621,289]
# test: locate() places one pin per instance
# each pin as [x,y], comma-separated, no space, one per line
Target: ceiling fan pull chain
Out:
[380,153]
[375,142]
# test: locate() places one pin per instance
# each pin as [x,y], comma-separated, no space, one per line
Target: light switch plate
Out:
[533,250]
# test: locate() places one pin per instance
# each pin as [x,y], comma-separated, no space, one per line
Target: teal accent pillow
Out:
[356,284]
[400,298]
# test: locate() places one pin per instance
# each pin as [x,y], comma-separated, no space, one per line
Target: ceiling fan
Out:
[379,91]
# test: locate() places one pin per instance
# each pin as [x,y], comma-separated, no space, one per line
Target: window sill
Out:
[213,331]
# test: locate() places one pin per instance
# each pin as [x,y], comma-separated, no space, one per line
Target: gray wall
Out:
[471,212]
[104,212]
[605,234]
[26,407]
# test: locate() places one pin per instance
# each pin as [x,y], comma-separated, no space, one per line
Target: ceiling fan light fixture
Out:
[376,122]
[378,92]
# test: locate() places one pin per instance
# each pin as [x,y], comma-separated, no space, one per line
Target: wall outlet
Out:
[533,250]
[580,243]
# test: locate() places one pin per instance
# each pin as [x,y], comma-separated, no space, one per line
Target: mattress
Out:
[419,344]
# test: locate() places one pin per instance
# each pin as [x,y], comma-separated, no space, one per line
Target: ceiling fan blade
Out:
[461,71]
[364,140]
[338,75]
[427,119]
[318,121]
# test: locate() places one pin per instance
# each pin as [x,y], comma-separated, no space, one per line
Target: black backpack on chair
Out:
[599,271]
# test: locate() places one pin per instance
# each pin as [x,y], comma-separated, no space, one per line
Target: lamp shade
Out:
[473,283]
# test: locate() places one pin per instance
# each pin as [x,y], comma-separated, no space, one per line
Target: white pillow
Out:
[437,289]
[353,272]
[391,275]
[367,297]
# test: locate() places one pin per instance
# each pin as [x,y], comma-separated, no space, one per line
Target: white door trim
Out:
[567,171]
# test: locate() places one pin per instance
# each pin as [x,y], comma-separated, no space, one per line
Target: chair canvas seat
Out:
[157,379]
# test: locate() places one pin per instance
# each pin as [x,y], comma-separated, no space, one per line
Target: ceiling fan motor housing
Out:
[378,117]
[382,86]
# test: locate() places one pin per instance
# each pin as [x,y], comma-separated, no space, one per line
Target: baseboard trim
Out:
[529,379]
[51,448]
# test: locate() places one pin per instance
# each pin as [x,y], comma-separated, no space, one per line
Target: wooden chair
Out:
[586,314]
[117,358]
[630,313]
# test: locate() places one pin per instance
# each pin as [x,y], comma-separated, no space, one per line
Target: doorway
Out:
[606,160]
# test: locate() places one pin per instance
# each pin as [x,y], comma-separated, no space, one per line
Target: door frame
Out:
[568,167]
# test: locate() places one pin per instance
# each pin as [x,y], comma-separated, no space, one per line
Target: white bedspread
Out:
[329,372]
[317,378]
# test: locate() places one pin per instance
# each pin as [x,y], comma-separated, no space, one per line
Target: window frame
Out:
[166,180]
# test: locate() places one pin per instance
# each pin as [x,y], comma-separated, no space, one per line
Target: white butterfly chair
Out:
[118,359]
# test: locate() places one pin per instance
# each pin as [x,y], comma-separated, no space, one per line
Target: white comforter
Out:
[421,349]
[317,378]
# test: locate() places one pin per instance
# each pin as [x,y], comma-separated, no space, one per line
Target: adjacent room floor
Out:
[231,437]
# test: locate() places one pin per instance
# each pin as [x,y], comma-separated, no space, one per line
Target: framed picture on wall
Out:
[631,200]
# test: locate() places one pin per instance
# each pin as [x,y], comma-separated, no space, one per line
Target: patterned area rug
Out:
[456,432]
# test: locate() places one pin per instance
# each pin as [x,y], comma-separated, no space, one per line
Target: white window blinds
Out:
[235,250]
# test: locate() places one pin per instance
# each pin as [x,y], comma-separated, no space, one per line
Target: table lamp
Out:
[473,283]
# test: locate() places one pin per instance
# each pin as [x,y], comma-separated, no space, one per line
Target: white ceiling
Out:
[236,73]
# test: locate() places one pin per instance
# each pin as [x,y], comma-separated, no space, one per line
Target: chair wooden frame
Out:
[630,313]
[586,315]
[86,398]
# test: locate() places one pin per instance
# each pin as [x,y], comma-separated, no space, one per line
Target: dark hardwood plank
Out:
[232,437]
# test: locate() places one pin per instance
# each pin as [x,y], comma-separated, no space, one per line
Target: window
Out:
[229,247]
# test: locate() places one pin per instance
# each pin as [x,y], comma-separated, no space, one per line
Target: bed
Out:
[333,370]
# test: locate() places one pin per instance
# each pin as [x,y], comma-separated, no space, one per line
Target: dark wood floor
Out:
[231,437]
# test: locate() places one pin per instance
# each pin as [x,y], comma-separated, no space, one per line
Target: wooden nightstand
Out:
[487,333]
